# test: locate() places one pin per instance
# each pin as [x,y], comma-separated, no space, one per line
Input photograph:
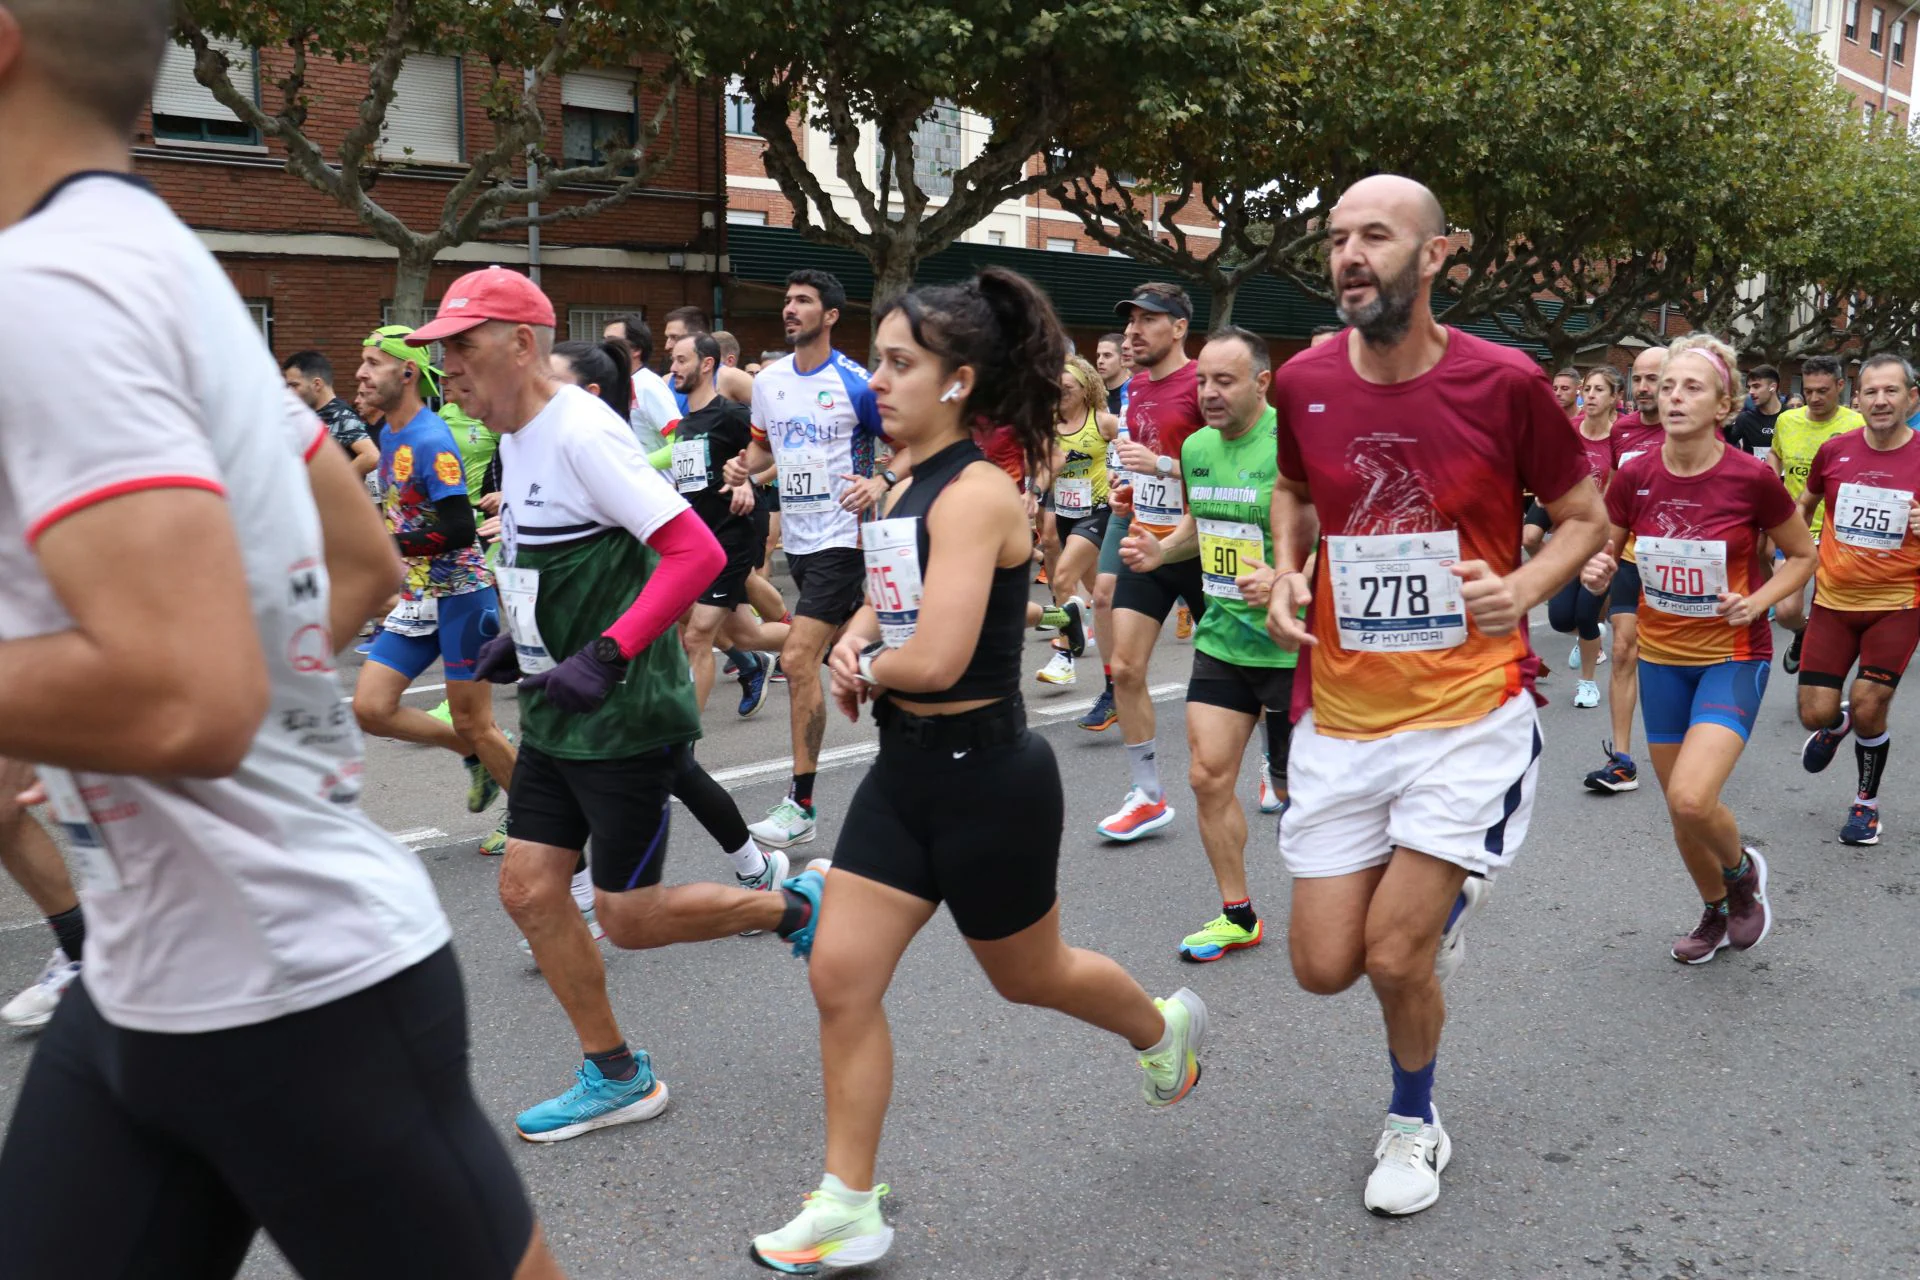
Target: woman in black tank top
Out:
[963,804]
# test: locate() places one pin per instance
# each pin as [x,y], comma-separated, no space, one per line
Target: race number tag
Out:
[98,874]
[1395,593]
[417,617]
[1872,519]
[519,599]
[1682,576]
[1073,498]
[690,465]
[1225,546]
[805,484]
[892,550]
[1158,499]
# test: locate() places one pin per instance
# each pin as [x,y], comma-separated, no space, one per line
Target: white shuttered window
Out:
[423,121]
[186,110]
[599,91]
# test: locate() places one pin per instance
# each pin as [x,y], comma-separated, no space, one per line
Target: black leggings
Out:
[1574,607]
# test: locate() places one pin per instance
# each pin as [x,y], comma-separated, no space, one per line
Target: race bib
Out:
[1073,498]
[1158,499]
[1226,545]
[1395,593]
[1682,576]
[88,847]
[690,465]
[519,598]
[892,551]
[805,484]
[1872,519]
[417,617]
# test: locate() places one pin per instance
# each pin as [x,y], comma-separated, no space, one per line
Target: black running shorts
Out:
[1154,593]
[349,1132]
[622,805]
[832,583]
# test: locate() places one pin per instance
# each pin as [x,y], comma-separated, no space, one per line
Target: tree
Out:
[524,46]
[1045,74]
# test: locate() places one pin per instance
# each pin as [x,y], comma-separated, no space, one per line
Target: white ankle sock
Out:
[748,860]
[583,890]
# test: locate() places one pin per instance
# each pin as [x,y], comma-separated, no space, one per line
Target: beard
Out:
[801,337]
[1386,319]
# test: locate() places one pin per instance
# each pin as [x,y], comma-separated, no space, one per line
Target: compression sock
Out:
[802,791]
[70,926]
[748,860]
[1241,913]
[746,665]
[1872,755]
[617,1063]
[1146,770]
[1412,1091]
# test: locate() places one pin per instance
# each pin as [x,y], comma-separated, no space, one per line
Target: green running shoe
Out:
[482,790]
[496,842]
[1217,937]
[829,1232]
[443,713]
[1054,616]
[1173,1071]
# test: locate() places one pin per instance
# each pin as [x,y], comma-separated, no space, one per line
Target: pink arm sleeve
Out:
[690,559]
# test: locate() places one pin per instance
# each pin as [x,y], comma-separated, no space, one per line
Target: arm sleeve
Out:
[661,459]
[452,531]
[690,559]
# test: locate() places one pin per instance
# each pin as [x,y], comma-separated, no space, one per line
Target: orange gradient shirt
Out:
[1859,568]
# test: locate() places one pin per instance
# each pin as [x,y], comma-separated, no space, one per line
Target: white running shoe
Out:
[789,824]
[1573,659]
[1059,669]
[768,881]
[1409,1159]
[828,1233]
[34,1007]
[1138,817]
[1586,693]
[1453,943]
[593,927]
[1270,801]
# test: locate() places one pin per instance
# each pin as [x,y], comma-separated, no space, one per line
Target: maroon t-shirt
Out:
[1599,456]
[1161,415]
[1633,434]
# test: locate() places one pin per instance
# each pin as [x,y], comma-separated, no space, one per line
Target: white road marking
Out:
[418,688]
[419,837]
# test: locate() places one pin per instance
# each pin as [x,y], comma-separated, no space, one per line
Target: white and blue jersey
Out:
[821,425]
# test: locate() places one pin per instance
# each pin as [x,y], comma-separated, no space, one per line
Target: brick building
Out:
[314,277]
[1871,46]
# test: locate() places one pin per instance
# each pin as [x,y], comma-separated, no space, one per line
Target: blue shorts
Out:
[1674,699]
[466,622]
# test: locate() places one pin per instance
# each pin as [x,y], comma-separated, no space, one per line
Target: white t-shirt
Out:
[821,426]
[217,903]
[653,409]
[574,471]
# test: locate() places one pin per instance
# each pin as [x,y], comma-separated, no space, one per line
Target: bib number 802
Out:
[1408,589]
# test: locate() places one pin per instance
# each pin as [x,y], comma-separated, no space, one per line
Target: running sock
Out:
[746,664]
[795,917]
[1164,1043]
[1241,913]
[1412,1090]
[1730,874]
[582,891]
[846,1195]
[802,791]
[70,926]
[748,861]
[617,1063]
[1872,755]
[1146,770]
[1108,671]
[470,761]
[1720,904]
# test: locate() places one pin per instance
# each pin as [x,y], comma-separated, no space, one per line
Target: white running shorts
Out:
[1462,794]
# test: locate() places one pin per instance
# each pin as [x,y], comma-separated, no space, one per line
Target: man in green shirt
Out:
[1238,671]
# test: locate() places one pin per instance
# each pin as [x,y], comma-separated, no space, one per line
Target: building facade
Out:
[1870,44]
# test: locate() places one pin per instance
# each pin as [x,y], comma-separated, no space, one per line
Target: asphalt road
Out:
[1614,1114]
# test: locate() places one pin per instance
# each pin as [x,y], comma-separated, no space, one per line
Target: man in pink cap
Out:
[599,557]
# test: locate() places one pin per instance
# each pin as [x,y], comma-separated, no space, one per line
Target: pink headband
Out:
[1707,354]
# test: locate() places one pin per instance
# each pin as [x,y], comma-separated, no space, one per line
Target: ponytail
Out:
[606,364]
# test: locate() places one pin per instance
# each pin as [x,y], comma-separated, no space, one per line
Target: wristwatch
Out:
[1164,465]
[890,478]
[606,649]
[867,655]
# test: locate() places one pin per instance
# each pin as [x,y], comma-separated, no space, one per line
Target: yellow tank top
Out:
[1086,458]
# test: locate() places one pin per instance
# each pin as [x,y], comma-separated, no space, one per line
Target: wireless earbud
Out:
[951,394]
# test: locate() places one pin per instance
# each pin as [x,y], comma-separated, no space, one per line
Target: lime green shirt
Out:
[477,446]
[1230,493]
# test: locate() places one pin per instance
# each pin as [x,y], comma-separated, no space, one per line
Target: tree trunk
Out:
[893,267]
[410,288]
[1225,290]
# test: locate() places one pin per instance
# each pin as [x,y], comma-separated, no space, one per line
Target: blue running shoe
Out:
[1102,714]
[809,884]
[753,688]
[595,1102]
[1863,825]
[365,647]
[1818,751]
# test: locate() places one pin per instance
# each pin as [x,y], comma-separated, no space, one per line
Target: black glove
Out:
[499,661]
[579,685]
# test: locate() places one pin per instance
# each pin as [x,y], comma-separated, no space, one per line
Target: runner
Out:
[1078,466]
[1115,367]
[606,708]
[938,651]
[1407,446]
[1797,436]
[1753,425]
[309,375]
[1566,391]
[1697,509]
[1240,677]
[814,417]
[1866,593]
[1574,610]
[654,408]
[447,604]
[256,947]
[1633,435]
[1163,409]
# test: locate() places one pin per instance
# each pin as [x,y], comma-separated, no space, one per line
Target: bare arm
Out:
[162,672]
[756,457]
[363,570]
[1790,536]
[1579,530]
[366,456]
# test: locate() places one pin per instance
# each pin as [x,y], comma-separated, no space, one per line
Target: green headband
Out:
[392,339]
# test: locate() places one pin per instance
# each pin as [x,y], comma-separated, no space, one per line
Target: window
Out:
[1802,11]
[260,310]
[996,237]
[598,114]
[587,324]
[936,150]
[1851,27]
[184,110]
[423,121]
[1866,113]
[1873,31]
[1900,43]
[1124,179]
[1060,244]
[747,217]
[739,108]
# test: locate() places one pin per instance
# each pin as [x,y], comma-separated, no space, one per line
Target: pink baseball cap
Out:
[479,296]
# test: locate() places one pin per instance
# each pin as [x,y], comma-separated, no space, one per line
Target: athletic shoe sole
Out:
[1853,844]
[1196,1040]
[645,1109]
[1766,907]
[1601,788]
[805,837]
[1098,728]
[33,1023]
[856,1252]
[1722,946]
[1220,953]
[1146,828]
